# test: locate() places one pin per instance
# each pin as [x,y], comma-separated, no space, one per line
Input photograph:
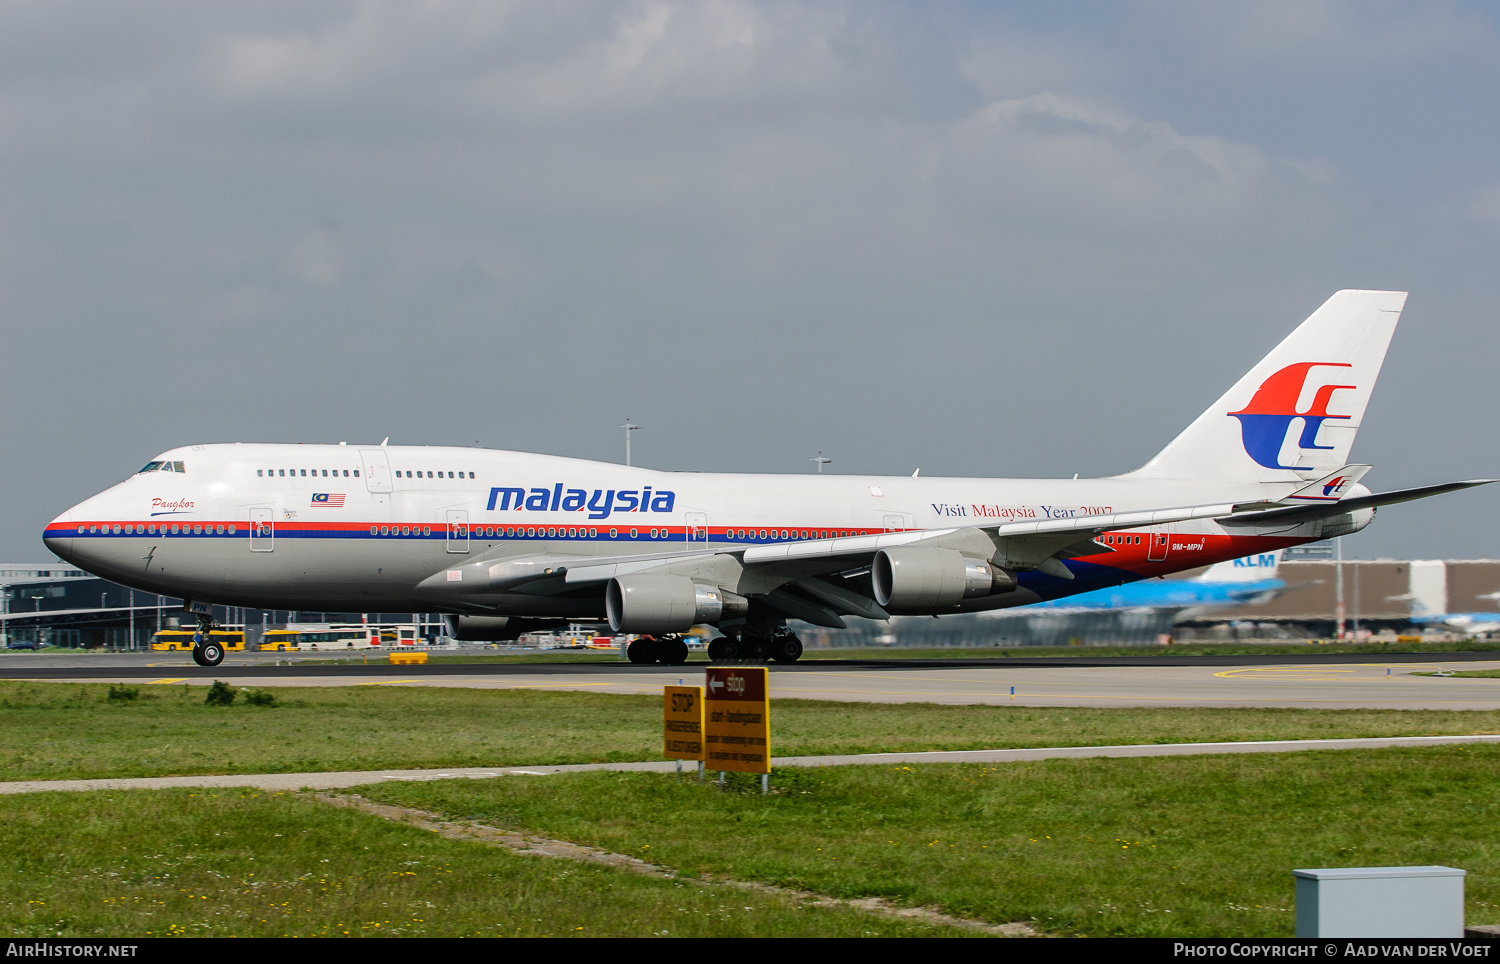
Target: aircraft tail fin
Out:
[1293,417]
[1256,568]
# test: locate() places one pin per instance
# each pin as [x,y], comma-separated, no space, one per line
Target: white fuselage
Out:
[358,528]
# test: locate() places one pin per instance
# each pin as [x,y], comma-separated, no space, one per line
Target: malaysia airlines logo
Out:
[1264,422]
[327,500]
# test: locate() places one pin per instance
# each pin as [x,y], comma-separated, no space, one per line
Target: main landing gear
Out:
[207,651]
[671,650]
[780,646]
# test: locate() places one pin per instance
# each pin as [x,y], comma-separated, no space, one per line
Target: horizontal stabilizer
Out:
[1298,514]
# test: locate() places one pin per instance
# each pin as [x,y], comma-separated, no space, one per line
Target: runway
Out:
[1388,682]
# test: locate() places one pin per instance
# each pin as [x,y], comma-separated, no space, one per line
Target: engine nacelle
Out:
[919,579]
[652,603]
[494,629]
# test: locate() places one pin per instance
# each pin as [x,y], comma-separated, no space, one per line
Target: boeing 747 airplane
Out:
[503,542]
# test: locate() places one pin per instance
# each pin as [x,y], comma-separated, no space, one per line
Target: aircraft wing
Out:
[768,571]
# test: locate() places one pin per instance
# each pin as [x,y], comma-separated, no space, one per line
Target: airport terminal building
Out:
[58,604]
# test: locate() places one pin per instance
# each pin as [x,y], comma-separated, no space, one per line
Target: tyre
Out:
[786,648]
[212,654]
[673,651]
[643,650]
[757,649]
[724,649]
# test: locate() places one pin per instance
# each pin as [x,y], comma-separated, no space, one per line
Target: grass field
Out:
[58,730]
[1174,846]
[1179,846]
[240,863]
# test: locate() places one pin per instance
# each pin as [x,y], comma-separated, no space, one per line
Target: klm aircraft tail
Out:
[1293,417]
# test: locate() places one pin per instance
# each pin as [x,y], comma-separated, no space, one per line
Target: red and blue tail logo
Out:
[1264,422]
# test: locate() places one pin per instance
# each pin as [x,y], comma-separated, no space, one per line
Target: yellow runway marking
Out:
[177,680]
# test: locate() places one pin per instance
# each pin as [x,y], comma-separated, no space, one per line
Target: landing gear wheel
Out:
[208,654]
[643,650]
[786,648]
[723,649]
[673,651]
[757,649]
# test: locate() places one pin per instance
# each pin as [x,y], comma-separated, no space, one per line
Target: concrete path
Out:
[355,778]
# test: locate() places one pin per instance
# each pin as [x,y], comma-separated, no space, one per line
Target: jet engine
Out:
[917,579]
[652,603]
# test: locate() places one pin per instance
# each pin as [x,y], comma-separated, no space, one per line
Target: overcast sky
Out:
[984,239]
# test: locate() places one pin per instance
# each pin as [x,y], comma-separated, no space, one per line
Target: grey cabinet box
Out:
[1380,902]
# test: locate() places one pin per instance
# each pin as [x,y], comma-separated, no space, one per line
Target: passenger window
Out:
[325,473]
[356,473]
[259,473]
[282,472]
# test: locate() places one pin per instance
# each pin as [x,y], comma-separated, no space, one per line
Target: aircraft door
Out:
[458,530]
[262,528]
[377,469]
[1156,551]
[697,530]
[895,523]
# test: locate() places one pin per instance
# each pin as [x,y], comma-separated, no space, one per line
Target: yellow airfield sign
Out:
[682,722]
[737,720]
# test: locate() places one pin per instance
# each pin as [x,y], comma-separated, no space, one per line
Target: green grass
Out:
[241,863]
[1173,846]
[63,730]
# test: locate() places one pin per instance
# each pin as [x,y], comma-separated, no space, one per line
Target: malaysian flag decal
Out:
[328,500]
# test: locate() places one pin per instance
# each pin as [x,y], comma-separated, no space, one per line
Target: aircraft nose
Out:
[58,536]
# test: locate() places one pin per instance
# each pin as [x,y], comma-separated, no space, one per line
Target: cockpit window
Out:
[150,467]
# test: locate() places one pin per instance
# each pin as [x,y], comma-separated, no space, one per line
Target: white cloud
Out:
[319,258]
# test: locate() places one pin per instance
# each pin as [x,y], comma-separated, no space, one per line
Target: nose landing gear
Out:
[207,651]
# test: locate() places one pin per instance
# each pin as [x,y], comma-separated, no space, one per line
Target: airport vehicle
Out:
[181,640]
[320,637]
[508,542]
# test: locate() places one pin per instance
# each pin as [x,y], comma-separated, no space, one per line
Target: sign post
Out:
[737,721]
[682,725]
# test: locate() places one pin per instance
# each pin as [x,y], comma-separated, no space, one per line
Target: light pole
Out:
[1338,591]
[821,461]
[628,427]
